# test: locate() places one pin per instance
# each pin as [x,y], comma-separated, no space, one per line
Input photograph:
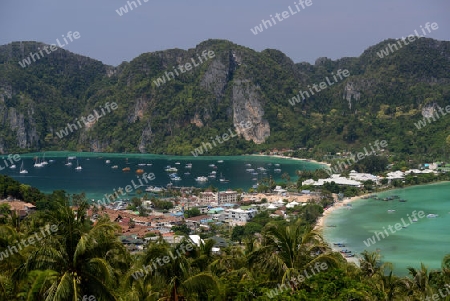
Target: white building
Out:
[239,214]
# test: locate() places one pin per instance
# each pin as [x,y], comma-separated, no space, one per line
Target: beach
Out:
[293,158]
[321,223]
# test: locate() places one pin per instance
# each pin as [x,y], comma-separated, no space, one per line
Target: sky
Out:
[326,28]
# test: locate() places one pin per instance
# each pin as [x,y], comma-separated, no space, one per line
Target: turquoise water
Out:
[97,178]
[426,241]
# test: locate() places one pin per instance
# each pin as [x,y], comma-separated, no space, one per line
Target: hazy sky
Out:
[331,28]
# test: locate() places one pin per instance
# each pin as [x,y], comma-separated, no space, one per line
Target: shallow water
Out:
[427,240]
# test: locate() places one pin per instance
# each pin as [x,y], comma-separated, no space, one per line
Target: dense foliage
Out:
[380,100]
[271,259]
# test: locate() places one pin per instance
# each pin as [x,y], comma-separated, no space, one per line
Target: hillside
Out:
[381,99]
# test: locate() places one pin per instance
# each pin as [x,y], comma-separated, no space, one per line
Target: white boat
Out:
[391,211]
[108,161]
[189,165]
[149,164]
[415,220]
[277,164]
[177,163]
[43,160]
[114,166]
[13,166]
[201,179]
[71,158]
[432,215]
[277,170]
[220,161]
[250,170]
[171,169]
[78,166]
[37,163]
[248,165]
[154,189]
[68,162]
[142,164]
[22,170]
[212,165]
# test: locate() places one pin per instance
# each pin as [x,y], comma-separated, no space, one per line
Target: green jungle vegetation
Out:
[386,97]
[268,259]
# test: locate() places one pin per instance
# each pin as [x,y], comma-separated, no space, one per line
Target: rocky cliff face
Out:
[247,108]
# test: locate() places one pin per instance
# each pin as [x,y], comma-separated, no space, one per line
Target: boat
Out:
[277,164]
[277,170]
[220,161]
[391,211]
[154,189]
[108,161]
[222,179]
[139,171]
[249,170]
[114,167]
[43,162]
[37,163]
[22,170]
[78,166]
[201,179]
[174,177]
[187,173]
[189,165]
[68,162]
[126,169]
[212,165]
[349,255]
[13,166]
[177,163]
[141,164]
[415,220]
[402,200]
[149,164]
[432,215]
[71,158]
[170,169]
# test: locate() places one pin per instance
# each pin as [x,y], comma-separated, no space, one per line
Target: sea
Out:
[426,241]
[97,177]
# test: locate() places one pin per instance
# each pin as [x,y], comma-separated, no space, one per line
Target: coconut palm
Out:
[287,250]
[83,258]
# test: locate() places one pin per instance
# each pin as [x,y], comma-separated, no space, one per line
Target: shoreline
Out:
[320,224]
[294,158]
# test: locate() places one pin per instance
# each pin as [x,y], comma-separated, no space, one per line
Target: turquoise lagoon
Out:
[425,241]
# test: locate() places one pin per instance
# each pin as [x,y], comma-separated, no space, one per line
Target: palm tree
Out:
[85,260]
[287,250]
[170,272]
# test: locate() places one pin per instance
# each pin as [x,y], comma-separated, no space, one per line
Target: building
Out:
[239,214]
[228,196]
[208,197]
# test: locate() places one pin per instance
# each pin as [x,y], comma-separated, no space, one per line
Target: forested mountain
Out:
[382,98]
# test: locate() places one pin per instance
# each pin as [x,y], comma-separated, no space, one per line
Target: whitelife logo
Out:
[411,38]
[90,119]
[398,226]
[422,124]
[322,85]
[35,56]
[187,67]
[49,229]
[284,15]
[165,259]
[341,166]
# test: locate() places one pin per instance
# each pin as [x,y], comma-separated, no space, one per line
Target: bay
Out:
[425,241]
[98,178]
